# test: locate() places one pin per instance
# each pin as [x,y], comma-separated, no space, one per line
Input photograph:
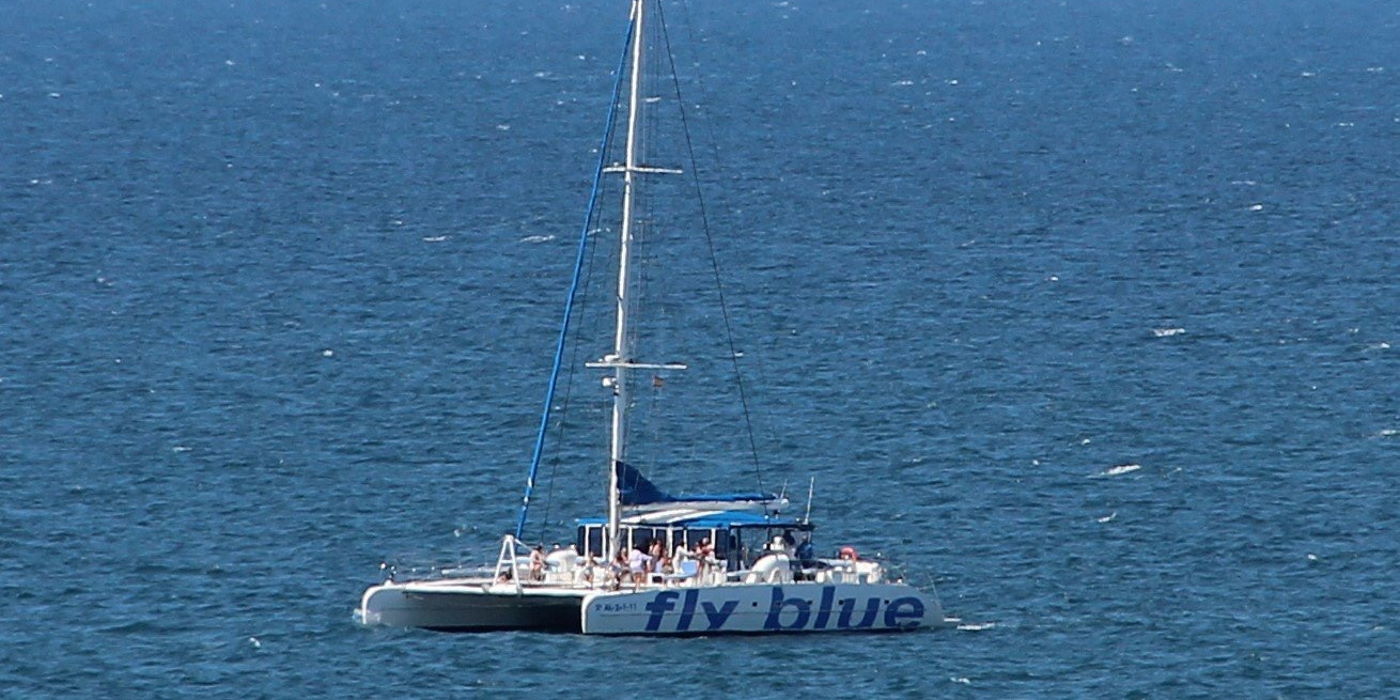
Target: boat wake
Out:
[959,624]
[1119,470]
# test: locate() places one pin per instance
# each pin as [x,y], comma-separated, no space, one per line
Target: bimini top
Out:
[636,491]
[702,518]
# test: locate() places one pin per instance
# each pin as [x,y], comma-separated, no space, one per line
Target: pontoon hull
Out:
[762,608]
[758,608]
[471,608]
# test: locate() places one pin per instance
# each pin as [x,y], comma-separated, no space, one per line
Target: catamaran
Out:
[734,562]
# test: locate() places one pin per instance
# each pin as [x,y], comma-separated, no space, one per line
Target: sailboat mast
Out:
[621,352]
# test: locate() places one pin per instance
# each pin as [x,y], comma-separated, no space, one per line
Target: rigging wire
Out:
[707,126]
[577,346]
[581,328]
[573,291]
[710,242]
[643,247]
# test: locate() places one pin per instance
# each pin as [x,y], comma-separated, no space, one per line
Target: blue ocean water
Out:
[279,284]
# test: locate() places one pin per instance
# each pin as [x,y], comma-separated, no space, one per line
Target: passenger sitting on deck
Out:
[778,545]
[618,568]
[637,564]
[847,554]
[704,553]
[661,568]
[656,549]
[806,553]
[537,563]
[585,572]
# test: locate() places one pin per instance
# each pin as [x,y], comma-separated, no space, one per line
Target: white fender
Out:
[770,568]
[870,572]
[561,560]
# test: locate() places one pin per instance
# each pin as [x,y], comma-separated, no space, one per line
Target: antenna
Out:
[811,484]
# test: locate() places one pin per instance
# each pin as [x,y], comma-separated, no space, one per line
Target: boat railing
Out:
[564,568]
[518,567]
[404,571]
[508,563]
[513,567]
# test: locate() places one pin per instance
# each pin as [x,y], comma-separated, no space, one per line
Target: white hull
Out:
[762,608]
[466,605]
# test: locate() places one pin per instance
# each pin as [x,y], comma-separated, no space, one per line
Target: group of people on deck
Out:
[650,562]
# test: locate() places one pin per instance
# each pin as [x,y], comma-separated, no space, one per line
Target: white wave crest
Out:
[975,626]
[1121,469]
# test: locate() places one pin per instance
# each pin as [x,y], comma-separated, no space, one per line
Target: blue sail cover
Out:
[637,490]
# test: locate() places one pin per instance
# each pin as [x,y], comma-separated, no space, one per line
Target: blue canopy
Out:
[637,490]
[697,518]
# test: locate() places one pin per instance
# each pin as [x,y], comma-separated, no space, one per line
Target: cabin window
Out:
[693,537]
[590,540]
[733,550]
[638,537]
